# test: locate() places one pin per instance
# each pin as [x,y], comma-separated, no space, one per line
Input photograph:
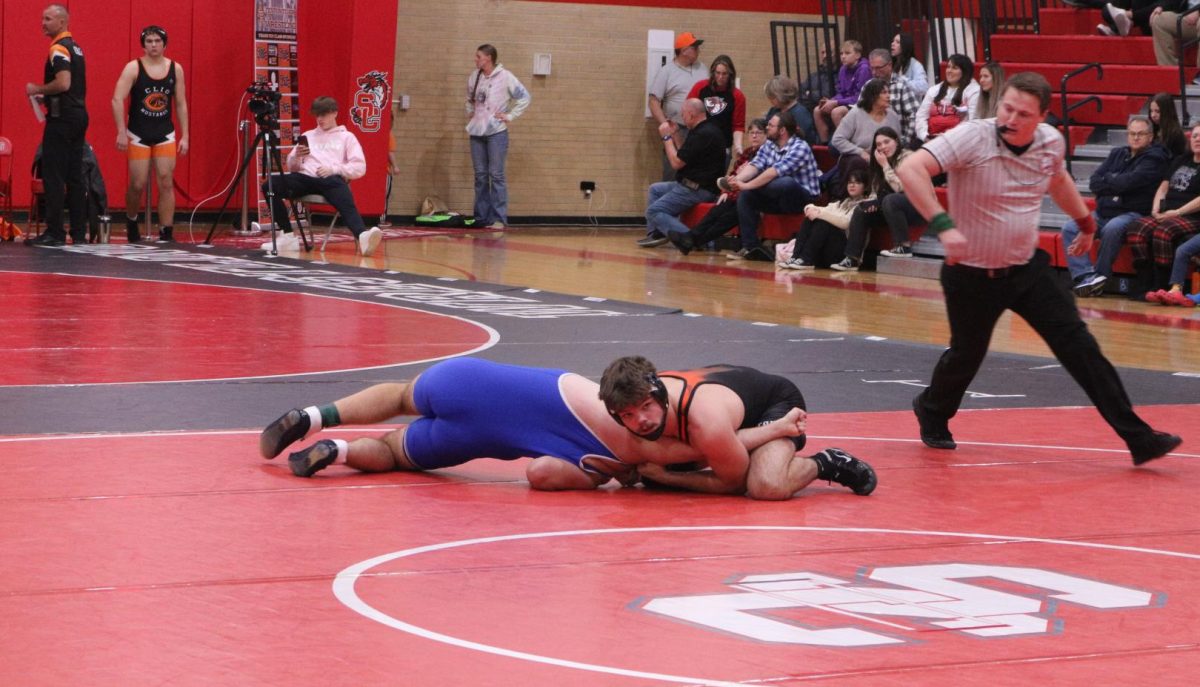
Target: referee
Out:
[63,89]
[999,169]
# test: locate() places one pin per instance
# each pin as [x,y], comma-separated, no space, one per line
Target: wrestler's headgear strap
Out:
[154,29]
[658,391]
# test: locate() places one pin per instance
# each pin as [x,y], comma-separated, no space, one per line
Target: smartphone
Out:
[304,141]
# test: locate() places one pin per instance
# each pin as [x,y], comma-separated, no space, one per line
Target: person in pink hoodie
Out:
[324,161]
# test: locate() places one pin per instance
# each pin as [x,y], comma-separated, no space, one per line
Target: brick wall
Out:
[587,119]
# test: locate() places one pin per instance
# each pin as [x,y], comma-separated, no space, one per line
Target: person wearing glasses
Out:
[1124,186]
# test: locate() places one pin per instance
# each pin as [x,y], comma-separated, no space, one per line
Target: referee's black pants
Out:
[62,172]
[975,301]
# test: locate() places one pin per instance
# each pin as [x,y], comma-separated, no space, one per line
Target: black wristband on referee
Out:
[941,222]
[1086,224]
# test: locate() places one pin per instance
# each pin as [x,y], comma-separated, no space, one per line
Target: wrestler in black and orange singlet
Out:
[766,397]
[151,106]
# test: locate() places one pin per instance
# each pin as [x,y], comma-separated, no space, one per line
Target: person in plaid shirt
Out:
[782,178]
[903,99]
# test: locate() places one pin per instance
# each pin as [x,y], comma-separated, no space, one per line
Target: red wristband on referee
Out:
[1086,224]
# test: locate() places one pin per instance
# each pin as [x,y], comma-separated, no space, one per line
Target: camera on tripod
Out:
[264,104]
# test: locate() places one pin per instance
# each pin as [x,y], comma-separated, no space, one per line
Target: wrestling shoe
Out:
[1159,445]
[291,427]
[835,465]
[934,433]
[166,235]
[133,231]
[313,459]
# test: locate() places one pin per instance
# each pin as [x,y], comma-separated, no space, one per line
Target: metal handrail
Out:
[1066,111]
[1180,45]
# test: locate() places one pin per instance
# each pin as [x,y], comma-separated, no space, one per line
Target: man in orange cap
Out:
[670,87]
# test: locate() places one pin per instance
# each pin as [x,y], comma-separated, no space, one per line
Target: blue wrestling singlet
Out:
[474,408]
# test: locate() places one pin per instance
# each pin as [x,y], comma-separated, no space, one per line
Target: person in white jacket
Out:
[324,161]
[952,101]
[494,98]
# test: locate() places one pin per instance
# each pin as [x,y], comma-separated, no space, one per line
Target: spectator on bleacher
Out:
[991,84]
[1167,129]
[1124,186]
[1163,28]
[949,102]
[856,133]
[782,178]
[722,217]
[904,61]
[782,93]
[853,75]
[890,205]
[697,164]
[1175,295]
[724,101]
[821,240]
[904,100]
[819,84]
[1175,215]
[670,87]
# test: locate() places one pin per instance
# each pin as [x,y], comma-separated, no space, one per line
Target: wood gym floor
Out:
[145,542]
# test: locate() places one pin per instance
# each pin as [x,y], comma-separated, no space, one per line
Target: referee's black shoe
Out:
[935,433]
[1159,445]
[46,239]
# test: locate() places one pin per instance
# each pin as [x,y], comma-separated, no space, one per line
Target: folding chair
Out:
[318,199]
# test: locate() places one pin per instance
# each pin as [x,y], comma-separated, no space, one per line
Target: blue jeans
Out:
[783,195]
[668,200]
[1183,255]
[1110,233]
[491,190]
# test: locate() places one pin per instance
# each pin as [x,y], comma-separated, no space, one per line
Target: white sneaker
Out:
[1105,30]
[497,225]
[288,242]
[256,227]
[369,240]
[1119,18]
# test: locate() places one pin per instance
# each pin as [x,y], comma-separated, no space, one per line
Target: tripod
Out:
[272,160]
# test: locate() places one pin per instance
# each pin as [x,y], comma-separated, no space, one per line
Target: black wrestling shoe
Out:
[288,429]
[935,434]
[133,231]
[835,465]
[1159,445]
[313,459]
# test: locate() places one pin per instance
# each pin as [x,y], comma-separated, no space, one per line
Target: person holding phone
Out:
[325,160]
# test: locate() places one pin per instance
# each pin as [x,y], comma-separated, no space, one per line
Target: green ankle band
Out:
[329,415]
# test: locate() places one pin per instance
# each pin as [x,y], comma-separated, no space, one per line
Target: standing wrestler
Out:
[470,408]
[999,170]
[63,88]
[707,408]
[154,86]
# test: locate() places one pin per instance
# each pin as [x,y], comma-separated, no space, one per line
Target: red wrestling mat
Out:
[1034,553]
[89,330]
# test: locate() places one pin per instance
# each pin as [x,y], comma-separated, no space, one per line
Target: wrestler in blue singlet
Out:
[474,408]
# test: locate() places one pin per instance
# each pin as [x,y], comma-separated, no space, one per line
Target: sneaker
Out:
[133,233]
[1177,298]
[46,240]
[256,228]
[289,428]
[1157,296]
[846,265]
[737,255]
[369,240]
[835,465]
[683,241]
[652,240]
[1159,445]
[934,433]
[898,252]
[166,235]
[313,459]
[1105,30]
[288,242]
[497,225]
[1090,286]
[1119,19]
[759,254]
[797,264]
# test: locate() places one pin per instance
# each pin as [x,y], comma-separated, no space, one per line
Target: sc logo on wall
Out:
[898,601]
